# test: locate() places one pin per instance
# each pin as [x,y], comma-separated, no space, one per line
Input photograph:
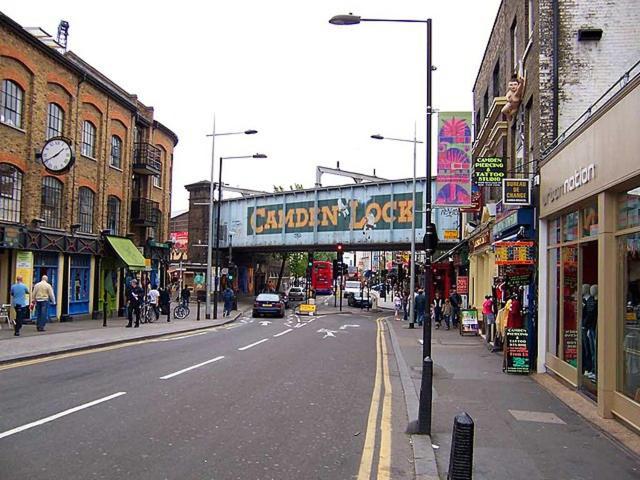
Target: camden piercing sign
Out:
[488,171]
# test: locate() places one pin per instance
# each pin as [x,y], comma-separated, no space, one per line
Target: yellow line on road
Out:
[364,473]
[384,464]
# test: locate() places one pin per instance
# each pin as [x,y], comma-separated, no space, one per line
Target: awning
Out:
[458,246]
[127,252]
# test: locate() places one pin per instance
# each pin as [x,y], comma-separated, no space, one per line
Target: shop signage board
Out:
[307,308]
[451,234]
[462,285]
[518,275]
[469,321]
[453,184]
[480,241]
[514,253]
[489,171]
[24,267]
[516,351]
[516,191]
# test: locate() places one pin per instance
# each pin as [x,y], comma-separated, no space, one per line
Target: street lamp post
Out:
[412,264]
[424,412]
[208,281]
[216,286]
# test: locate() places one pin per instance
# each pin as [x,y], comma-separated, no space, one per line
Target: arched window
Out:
[10,193]
[51,202]
[11,99]
[116,151]
[113,214]
[85,209]
[157,179]
[88,147]
[55,121]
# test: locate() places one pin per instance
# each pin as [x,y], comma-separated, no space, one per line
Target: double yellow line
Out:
[379,422]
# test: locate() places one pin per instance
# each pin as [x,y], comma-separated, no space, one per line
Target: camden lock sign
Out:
[380,212]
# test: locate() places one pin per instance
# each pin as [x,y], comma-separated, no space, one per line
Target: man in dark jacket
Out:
[456,304]
[421,306]
[135,295]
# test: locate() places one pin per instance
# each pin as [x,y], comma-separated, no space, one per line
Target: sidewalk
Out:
[521,430]
[82,334]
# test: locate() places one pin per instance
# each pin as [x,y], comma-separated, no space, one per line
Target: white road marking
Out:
[344,327]
[327,333]
[265,323]
[253,344]
[180,337]
[171,375]
[282,333]
[298,325]
[58,415]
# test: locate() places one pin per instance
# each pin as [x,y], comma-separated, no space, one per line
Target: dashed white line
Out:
[58,415]
[282,333]
[253,344]
[171,375]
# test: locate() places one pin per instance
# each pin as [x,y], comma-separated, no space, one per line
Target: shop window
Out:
[10,193]
[51,202]
[569,296]
[113,214]
[589,220]
[85,209]
[629,209]
[589,317]
[80,276]
[553,235]
[629,261]
[554,304]
[55,120]
[11,103]
[570,227]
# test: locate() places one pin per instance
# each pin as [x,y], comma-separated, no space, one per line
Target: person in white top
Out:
[153,297]
[42,294]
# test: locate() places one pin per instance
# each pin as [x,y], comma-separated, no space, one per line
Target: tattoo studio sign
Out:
[488,171]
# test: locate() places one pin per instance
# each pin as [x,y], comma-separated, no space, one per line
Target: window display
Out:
[554,304]
[570,304]
[629,256]
[570,227]
[629,209]
[589,317]
[589,220]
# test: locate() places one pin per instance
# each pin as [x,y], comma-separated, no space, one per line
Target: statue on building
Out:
[514,95]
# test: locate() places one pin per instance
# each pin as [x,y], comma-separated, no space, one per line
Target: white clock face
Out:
[57,155]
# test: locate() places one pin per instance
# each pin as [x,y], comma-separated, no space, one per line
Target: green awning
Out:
[127,252]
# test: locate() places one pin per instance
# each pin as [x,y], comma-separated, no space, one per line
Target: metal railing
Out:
[622,82]
[147,156]
[145,212]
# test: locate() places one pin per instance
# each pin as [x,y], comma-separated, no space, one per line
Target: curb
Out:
[117,342]
[423,455]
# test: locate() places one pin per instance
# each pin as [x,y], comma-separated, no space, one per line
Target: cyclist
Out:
[152,298]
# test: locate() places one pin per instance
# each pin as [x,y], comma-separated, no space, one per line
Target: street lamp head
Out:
[377,137]
[259,155]
[250,132]
[345,20]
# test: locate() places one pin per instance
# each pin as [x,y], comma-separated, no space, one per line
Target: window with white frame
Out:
[10,193]
[116,152]
[51,202]
[55,121]
[85,209]
[113,214]
[88,146]
[11,100]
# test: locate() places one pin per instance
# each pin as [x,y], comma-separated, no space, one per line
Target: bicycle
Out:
[181,311]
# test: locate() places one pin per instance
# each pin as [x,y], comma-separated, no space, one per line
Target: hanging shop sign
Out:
[453,183]
[468,321]
[451,235]
[488,171]
[517,275]
[514,253]
[462,285]
[480,241]
[516,351]
[516,191]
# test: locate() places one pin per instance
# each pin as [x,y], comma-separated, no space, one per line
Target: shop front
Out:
[589,295]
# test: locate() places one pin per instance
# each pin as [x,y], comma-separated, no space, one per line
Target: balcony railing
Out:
[145,213]
[146,159]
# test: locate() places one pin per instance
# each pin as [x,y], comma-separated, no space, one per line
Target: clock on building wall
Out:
[57,155]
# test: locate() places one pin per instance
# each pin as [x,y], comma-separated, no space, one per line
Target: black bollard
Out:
[461,457]
[198,311]
[169,311]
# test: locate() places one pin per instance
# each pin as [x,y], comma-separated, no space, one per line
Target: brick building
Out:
[74,226]
[581,63]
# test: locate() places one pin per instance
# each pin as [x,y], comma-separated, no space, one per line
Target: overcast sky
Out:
[314,91]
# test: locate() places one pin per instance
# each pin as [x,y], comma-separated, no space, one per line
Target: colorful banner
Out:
[180,241]
[515,253]
[453,183]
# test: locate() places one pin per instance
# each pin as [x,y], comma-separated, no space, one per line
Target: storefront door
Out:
[79,284]
[46,263]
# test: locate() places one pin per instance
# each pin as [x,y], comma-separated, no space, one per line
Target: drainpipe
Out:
[555,88]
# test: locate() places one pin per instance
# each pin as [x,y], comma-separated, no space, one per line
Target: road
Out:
[292,398]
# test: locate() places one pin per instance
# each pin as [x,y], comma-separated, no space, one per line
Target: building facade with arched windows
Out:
[74,226]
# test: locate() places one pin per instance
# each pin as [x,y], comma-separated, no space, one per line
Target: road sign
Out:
[307,308]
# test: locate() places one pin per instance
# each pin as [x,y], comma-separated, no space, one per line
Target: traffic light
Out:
[336,267]
[339,248]
[310,259]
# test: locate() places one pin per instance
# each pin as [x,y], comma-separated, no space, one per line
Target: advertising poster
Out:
[453,184]
[462,285]
[469,321]
[516,351]
[24,268]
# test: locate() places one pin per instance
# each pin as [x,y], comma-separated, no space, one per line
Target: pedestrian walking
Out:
[19,292]
[227,296]
[153,297]
[489,316]
[405,305]
[165,301]
[42,295]
[438,303]
[421,307]
[185,295]
[397,303]
[447,312]
[134,298]
[456,305]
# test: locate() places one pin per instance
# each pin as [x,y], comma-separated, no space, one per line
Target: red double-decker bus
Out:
[322,277]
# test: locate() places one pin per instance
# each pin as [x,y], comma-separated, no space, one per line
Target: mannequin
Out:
[589,328]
